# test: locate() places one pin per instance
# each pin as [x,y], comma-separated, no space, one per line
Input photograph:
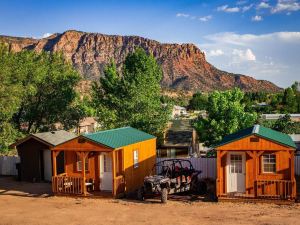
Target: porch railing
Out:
[275,189]
[119,185]
[63,184]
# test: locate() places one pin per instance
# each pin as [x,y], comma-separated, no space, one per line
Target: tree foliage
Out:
[283,124]
[36,91]
[132,97]
[198,101]
[226,115]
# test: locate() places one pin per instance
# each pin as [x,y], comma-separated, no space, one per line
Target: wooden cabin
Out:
[258,163]
[35,155]
[106,163]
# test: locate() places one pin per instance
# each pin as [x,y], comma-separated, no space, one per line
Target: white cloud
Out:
[205,18]
[270,56]
[241,2]
[263,5]
[257,18]
[245,39]
[243,55]
[182,15]
[217,52]
[46,35]
[286,6]
[225,8]
[247,7]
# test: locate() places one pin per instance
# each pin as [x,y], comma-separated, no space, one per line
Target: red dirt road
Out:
[18,206]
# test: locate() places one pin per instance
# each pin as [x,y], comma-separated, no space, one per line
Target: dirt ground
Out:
[26,203]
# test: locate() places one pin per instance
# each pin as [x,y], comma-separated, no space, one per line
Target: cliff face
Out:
[184,66]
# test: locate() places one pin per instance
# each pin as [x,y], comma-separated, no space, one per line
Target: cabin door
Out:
[105,172]
[47,165]
[236,174]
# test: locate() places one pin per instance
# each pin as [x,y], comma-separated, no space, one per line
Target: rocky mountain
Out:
[184,65]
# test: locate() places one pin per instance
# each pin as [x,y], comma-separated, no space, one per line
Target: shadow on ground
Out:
[10,186]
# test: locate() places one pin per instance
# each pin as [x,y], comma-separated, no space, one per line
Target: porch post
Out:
[54,166]
[218,174]
[113,173]
[255,173]
[83,156]
[293,174]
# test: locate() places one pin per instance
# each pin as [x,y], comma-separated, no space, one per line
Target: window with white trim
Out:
[269,163]
[135,159]
[79,164]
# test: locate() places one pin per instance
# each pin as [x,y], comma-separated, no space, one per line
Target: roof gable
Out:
[51,138]
[260,131]
[119,137]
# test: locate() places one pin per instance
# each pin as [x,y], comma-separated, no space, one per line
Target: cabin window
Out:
[79,164]
[135,159]
[107,163]
[269,163]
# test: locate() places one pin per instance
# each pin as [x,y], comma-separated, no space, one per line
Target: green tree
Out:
[49,84]
[226,115]
[199,101]
[289,101]
[132,98]
[10,97]
[36,91]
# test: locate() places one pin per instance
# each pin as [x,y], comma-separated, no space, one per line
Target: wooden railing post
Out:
[54,165]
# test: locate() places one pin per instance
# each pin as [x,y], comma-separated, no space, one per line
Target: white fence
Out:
[208,166]
[8,165]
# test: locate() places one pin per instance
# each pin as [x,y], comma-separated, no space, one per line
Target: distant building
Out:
[294,117]
[178,111]
[296,139]
[87,125]
[180,140]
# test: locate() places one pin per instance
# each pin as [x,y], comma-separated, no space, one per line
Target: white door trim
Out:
[236,173]
[106,178]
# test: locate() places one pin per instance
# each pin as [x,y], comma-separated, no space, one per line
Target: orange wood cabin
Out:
[106,163]
[256,162]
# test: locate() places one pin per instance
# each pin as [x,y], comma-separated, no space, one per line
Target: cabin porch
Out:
[256,174]
[89,174]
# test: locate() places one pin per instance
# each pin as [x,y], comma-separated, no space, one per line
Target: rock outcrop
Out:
[184,65]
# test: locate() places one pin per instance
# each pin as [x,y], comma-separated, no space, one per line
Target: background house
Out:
[294,117]
[35,155]
[178,111]
[87,125]
[180,140]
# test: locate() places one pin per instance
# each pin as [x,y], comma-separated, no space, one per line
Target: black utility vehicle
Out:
[172,176]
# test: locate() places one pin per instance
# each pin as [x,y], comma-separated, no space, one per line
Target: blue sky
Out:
[258,38]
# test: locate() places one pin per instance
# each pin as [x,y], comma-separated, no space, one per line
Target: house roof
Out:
[119,137]
[179,133]
[52,138]
[260,131]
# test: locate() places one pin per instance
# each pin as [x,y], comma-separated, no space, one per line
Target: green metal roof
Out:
[119,137]
[261,131]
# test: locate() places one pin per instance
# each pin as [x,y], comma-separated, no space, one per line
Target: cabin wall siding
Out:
[134,177]
[30,158]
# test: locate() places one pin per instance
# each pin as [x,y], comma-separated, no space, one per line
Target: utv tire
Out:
[164,195]
[140,194]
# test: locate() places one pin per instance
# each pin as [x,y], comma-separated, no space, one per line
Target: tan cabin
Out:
[258,163]
[106,163]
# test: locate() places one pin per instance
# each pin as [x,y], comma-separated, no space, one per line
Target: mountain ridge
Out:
[184,65]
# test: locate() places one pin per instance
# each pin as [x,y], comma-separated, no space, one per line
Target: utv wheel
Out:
[164,195]
[140,194]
